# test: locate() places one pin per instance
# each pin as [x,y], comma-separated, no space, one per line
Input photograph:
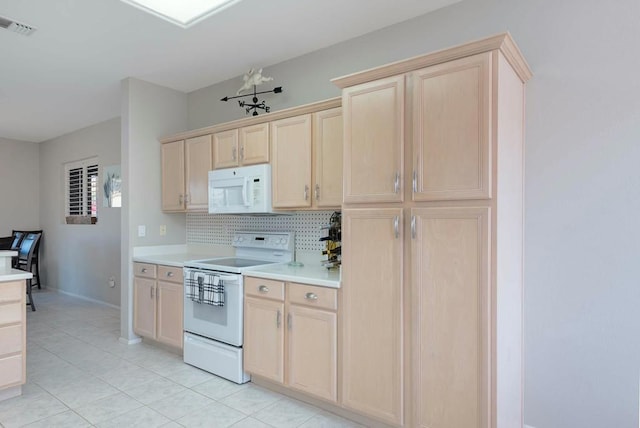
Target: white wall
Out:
[79,259]
[19,192]
[582,295]
[148,112]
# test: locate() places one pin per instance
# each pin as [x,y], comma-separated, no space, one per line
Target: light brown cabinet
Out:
[291,162]
[452,130]
[13,325]
[307,160]
[442,258]
[185,168]
[373,141]
[158,303]
[372,313]
[173,176]
[451,306]
[290,337]
[248,145]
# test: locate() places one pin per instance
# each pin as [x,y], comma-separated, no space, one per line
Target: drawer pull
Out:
[169,274]
[144,270]
[311,296]
[263,289]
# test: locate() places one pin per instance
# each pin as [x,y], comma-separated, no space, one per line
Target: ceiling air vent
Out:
[16,27]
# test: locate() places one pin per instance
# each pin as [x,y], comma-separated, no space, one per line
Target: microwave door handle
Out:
[245,192]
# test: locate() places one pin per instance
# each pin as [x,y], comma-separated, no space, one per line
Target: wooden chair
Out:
[28,247]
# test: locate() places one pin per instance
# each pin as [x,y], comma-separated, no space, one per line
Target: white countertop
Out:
[8,253]
[310,273]
[8,274]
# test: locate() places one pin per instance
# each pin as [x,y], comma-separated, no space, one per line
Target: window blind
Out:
[81,179]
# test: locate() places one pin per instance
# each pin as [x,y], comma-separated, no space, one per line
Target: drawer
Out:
[11,313]
[267,288]
[145,270]
[11,339]
[11,371]
[12,291]
[170,274]
[309,295]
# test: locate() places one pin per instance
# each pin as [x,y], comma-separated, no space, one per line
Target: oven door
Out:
[222,323]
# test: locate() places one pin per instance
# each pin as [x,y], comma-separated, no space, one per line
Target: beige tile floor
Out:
[79,375]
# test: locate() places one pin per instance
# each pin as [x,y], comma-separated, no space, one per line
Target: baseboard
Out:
[129,341]
[79,296]
[528,426]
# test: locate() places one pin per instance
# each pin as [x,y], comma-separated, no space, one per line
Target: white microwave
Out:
[242,190]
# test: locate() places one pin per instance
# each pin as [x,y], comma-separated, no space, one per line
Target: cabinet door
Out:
[198,165]
[144,307]
[452,320]
[264,338]
[452,130]
[373,141]
[312,347]
[225,149]
[327,153]
[173,176]
[254,144]
[371,307]
[170,309]
[291,162]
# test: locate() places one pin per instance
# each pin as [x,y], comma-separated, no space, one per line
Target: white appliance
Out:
[242,190]
[213,336]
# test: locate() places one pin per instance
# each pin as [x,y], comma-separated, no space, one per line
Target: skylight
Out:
[181,12]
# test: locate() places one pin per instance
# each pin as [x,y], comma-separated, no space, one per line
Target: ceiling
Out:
[67,74]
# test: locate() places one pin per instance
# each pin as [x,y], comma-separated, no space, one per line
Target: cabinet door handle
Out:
[306,192]
[413,227]
[181,199]
[317,192]
[242,152]
[151,290]
[311,296]
[415,181]
[144,270]
[396,183]
[278,316]
[396,226]
[289,321]
[233,153]
[263,289]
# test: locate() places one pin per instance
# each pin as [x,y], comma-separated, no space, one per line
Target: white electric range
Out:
[213,328]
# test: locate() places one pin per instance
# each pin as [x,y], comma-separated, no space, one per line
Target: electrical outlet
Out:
[142,231]
[112,282]
[163,230]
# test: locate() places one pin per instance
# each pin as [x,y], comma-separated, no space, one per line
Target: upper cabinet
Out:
[172,154]
[248,145]
[291,162]
[303,145]
[307,160]
[185,168]
[451,130]
[254,144]
[327,155]
[373,141]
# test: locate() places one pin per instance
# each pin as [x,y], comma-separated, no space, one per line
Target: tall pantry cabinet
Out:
[432,280]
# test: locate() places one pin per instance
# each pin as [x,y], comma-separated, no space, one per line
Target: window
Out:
[81,196]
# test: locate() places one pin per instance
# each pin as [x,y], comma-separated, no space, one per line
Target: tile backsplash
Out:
[203,228]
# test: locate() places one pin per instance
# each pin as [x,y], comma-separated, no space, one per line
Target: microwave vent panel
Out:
[16,27]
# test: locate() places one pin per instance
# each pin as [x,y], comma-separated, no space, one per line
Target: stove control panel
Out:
[268,240]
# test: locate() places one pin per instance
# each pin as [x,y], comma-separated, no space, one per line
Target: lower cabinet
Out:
[12,334]
[290,335]
[158,303]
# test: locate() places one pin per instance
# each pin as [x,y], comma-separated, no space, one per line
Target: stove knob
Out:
[241,239]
